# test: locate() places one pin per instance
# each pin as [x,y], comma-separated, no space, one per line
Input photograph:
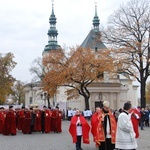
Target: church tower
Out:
[93,39]
[96,20]
[52,33]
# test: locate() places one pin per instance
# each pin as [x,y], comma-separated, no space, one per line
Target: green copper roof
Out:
[52,46]
[52,19]
[52,33]
[96,19]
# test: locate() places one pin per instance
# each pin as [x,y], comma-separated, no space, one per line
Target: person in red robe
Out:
[21,118]
[10,122]
[37,125]
[104,128]
[2,119]
[79,128]
[58,120]
[135,118]
[94,122]
[26,123]
[47,120]
[54,116]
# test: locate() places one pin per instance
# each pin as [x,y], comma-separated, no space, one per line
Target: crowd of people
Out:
[30,120]
[86,113]
[111,129]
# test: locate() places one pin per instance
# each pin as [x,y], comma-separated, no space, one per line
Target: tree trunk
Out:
[87,102]
[48,101]
[143,93]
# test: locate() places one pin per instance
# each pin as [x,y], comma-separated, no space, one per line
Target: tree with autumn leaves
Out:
[18,92]
[128,33]
[76,70]
[6,79]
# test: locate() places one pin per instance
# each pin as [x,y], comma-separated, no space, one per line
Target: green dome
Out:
[96,19]
[52,33]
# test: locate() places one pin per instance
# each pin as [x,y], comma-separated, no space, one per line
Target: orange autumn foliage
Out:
[6,79]
[76,69]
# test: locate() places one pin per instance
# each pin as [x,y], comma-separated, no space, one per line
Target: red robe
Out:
[26,123]
[21,117]
[135,117]
[2,120]
[94,124]
[58,122]
[85,129]
[98,130]
[54,116]
[10,123]
[47,121]
[37,125]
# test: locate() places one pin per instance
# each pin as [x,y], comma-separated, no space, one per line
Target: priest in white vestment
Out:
[125,135]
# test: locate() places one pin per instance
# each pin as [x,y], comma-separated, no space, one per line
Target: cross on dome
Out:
[52,1]
[95,3]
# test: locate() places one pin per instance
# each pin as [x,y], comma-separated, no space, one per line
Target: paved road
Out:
[57,141]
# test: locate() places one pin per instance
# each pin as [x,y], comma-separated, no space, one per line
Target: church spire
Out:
[52,32]
[96,19]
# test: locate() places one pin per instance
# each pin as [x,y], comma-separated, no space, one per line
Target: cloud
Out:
[25,23]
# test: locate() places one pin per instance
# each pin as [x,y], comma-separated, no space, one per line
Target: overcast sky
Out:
[24,25]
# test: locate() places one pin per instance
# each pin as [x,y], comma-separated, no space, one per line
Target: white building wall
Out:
[116,95]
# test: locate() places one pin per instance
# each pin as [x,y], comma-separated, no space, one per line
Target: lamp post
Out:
[48,97]
[31,85]
[45,97]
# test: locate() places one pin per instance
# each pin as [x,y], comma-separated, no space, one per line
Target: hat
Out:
[11,106]
[57,107]
[22,107]
[106,103]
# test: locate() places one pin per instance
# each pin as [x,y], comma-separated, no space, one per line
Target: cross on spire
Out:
[96,19]
[52,1]
[95,3]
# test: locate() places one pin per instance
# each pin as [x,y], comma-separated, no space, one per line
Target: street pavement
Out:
[58,141]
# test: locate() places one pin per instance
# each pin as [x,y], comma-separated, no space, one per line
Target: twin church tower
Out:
[91,41]
[117,89]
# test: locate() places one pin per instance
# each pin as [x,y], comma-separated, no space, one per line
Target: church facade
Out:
[116,90]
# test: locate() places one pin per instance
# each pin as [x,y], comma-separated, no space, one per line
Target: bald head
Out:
[98,109]
[78,112]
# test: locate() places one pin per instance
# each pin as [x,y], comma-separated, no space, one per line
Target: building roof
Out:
[52,33]
[93,40]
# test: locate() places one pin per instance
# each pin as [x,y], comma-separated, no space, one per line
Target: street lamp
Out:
[48,97]
[45,97]
[100,98]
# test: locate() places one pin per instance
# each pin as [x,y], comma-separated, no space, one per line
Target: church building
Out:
[117,89]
